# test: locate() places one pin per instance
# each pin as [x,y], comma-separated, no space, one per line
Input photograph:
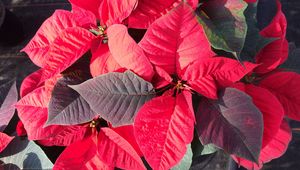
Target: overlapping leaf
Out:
[224,24]
[270,107]
[103,151]
[90,5]
[175,40]
[275,53]
[148,11]
[117,97]
[284,85]
[232,122]
[31,82]
[4,141]
[39,46]
[127,52]
[80,155]
[186,161]
[115,11]
[115,151]
[66,106]
[163,127]
[103,62]
[71,44]
[32,110]
[273,150]
[24,154]
[204,76]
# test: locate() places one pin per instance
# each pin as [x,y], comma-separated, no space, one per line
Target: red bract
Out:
[4,141]
[276,148]
[276,52]
[108,11]
[38,48]
[103,150]
[284,85]
[194,69]
[163,128]
[21,131]
[175,40]
[31,82]
[147,12]
[128,53]
[33,112]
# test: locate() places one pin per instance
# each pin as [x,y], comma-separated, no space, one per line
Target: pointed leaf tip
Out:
[233,117]
[117,97]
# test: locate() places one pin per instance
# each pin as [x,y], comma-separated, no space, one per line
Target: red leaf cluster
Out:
[176,57]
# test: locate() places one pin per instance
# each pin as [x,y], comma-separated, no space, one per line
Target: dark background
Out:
[31,14]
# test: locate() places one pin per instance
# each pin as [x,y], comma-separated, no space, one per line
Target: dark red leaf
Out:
[275,148]
[232,123]
[270,107]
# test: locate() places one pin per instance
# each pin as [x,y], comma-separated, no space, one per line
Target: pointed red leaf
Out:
[21,131]
[33,112]
[270,107]
[68,47]
[115,11]
[175,40]
[39,46]
[163,127]
[126,132]
[161,78]
[275,148]
[4,141]
[206,75]
[30,83]
[276,52]
[127,52]
[285,86]
[115,151]
[90,5]
[148,11]
[85,18]
[81,155]
[103,62]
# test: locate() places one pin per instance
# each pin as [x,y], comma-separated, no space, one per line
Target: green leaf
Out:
[186,161]
[209,149]
[224,24]
[199,149]
[24,154]
[254,41]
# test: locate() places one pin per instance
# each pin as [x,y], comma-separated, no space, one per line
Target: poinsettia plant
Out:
[139,84]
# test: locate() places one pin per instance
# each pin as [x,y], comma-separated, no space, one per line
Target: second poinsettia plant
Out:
[134,84]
